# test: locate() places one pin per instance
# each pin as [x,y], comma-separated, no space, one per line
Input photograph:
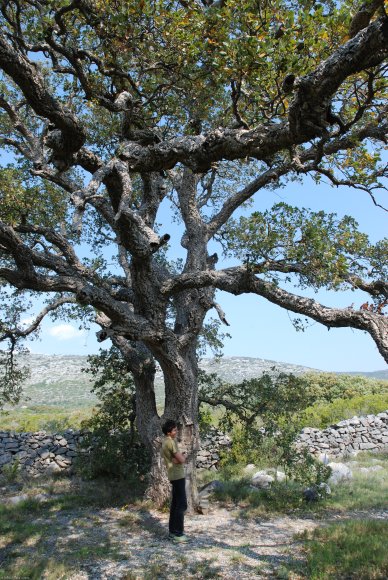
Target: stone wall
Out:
[39,453]
[43,453]
[368,433]
[209,453]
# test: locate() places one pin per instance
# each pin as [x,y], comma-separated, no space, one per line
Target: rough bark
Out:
[181,404]
[148,310]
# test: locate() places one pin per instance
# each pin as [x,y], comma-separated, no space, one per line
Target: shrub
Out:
[113,447]
[43,418]
[328,387]
[117,454]
[325,414]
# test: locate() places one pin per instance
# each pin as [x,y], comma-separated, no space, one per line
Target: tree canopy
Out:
[111,109]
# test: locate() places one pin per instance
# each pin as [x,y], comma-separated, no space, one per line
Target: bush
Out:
[43,418]
[325,414]
[113,447]
[328,387]
[118,454]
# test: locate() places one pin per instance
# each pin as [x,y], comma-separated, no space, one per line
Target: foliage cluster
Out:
[322,415]
[337,397]
[12,376]
[262,416]
[43,418]
[330,249]
[326,387]
[265,415]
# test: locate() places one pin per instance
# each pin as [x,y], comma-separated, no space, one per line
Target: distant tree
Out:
[112,109]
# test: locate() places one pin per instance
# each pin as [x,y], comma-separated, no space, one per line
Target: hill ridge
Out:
[59,380]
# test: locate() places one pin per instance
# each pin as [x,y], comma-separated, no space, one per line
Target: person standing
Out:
[174,461]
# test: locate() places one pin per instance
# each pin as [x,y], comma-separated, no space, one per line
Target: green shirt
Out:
[174,470]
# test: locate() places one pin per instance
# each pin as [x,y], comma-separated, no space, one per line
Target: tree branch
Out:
[307,115]
[239,281]
[22,333]
[27,76]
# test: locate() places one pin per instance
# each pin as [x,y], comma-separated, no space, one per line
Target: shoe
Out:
[179,539]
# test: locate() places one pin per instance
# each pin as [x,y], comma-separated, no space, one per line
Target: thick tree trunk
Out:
[149,427]
[181,405]
[142,365]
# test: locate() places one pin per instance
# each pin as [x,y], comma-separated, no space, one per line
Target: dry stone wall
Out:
[369,433]
[41,453]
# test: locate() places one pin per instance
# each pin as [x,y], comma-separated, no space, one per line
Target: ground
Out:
[56,530]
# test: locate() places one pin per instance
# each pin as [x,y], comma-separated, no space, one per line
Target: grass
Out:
[352,549]
[54,539]
[37,538]
[281,497]
[364,491]
[205,569]
[36,568]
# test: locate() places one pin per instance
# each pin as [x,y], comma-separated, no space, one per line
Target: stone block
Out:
[262,479]
[53,468]
[354,421]
[21,454]
[5,458]
[367,446]
[340,472]
[11,446]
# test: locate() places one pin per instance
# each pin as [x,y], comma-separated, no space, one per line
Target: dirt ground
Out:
[131,543]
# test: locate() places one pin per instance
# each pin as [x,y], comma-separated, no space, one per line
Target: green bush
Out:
[113,447]
[325,414]
[327,387]
[118,454]
[43,418]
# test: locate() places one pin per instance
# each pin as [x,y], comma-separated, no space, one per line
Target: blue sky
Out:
[260,329]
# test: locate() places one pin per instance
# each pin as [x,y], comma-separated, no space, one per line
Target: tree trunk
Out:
[181,405]
[141,363]
[149,427]
[180,371]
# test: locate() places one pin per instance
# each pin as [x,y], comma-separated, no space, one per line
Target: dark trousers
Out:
[178,507]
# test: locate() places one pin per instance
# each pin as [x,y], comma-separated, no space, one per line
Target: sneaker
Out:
[179,539]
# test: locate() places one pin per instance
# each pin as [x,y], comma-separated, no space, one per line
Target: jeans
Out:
[178,507]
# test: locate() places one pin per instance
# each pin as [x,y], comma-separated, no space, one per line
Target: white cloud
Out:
[65,332]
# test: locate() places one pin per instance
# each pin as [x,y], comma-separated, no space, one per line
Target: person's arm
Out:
[179,458]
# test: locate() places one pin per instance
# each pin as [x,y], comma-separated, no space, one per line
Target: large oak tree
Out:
[112,109]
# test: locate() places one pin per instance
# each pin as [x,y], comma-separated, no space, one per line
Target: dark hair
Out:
[168,426]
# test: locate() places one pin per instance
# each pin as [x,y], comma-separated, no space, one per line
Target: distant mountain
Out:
[234,369]
[58,380]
